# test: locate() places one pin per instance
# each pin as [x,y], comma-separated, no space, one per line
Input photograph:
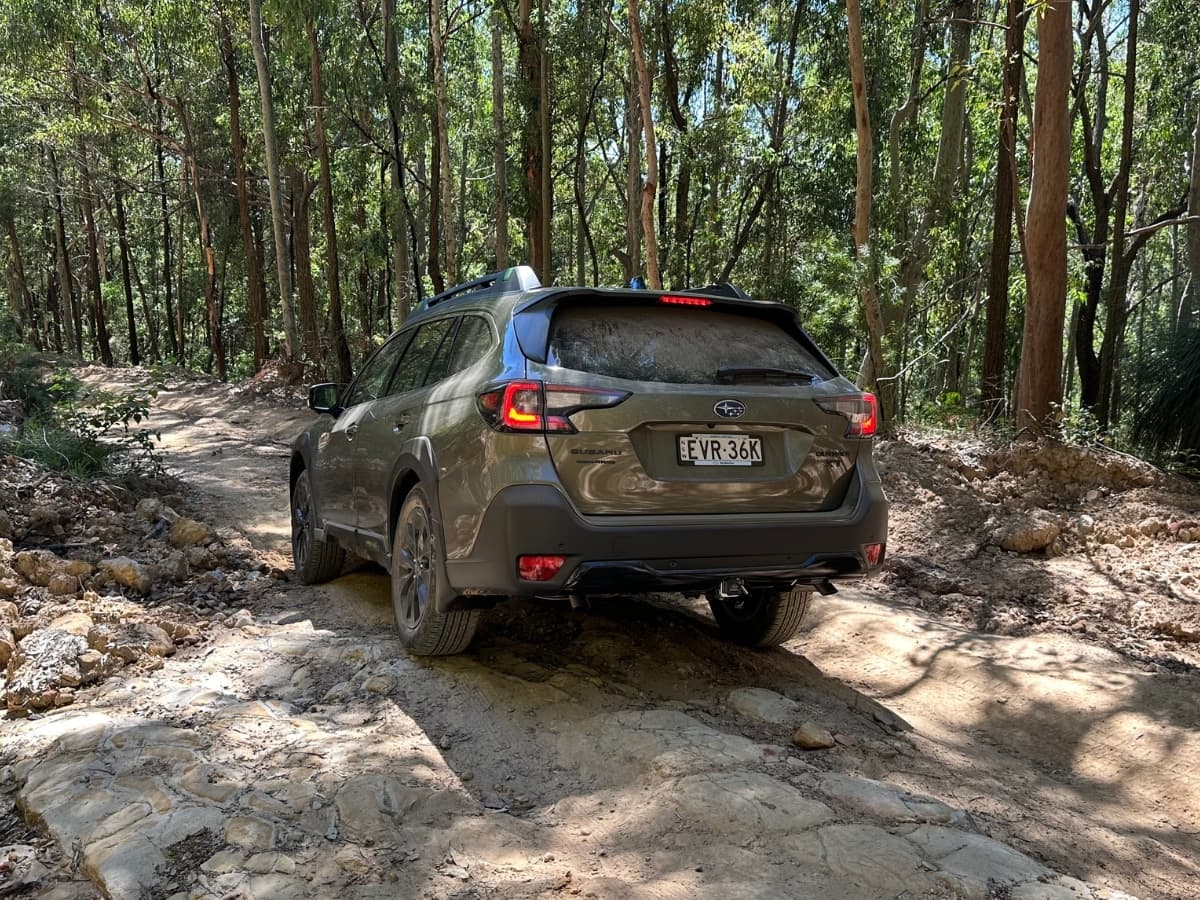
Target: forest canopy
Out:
[221,184]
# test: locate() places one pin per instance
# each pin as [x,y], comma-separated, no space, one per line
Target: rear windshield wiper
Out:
[762,373]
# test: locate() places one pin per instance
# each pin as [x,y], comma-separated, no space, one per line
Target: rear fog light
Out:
[874,553]
[539,568]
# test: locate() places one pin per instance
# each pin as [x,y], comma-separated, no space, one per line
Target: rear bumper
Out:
[610,554]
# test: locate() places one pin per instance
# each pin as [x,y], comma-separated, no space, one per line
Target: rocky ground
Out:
[1017,540]
[209,728]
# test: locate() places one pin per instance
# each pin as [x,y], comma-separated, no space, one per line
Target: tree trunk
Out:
[546,193]
[1116,313]
[255,301]
[301,194]
[954,109]
[135,356]
[1191,303]
[208,254]
[1039,377]
[404,273]
[337,327]
[992,387]
[167,275]
[22,302]
[72,321]
[272,153]
[868,298]
[436,222]
[499,142]
[100,335]
[441,113]
[650,186]
[633,177]
[532,161]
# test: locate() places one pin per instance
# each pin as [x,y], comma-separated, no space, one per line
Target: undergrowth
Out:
[70,428]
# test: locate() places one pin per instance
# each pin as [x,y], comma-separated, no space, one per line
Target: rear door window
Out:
[410,374]
[373,379]
[677,345]
[474,339]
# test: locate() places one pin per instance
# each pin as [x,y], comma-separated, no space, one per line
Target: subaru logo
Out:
[730,409]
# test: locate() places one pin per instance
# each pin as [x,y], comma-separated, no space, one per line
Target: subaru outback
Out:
[518,440]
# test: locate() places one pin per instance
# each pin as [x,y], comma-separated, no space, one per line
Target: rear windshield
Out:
[677,345]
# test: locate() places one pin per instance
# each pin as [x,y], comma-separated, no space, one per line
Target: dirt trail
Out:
[623,752]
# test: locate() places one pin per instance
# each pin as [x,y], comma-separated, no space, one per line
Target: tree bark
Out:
[868,298]
[992,386]
[499,142]
[1039,377]
[255,300]
[273,180]
[337,326]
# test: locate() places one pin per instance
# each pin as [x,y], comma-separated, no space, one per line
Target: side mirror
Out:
[323,398]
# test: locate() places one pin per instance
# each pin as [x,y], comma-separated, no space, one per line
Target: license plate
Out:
[720,450]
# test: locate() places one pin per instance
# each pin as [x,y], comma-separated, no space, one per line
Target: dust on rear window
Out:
[676,346]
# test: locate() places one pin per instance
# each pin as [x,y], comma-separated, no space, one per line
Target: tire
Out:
[419,586]
[763,619]
[315,560]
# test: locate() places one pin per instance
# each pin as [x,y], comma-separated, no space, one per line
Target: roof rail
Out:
[724,289]
[514,278]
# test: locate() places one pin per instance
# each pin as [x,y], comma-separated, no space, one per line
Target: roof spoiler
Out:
[514,278]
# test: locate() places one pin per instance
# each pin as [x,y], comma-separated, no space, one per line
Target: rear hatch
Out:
[705,406]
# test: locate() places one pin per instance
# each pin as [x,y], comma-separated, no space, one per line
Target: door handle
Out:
[351,432]
[401,423]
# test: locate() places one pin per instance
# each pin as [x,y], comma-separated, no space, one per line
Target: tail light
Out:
[861,411]
[534,406]
[873,553]
[539,568]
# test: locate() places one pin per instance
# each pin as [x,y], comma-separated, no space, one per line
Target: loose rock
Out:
[811,736]
[128,573]
[1028,532]
[188,532]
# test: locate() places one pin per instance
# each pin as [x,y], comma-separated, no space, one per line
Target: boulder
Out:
[6,528]
[128,573]
[61,584]
[74,623]
[37,566]
[1028,532]
[42,665]
[6,547]
[188,533]
[8,612]
[130,641]
[8,643]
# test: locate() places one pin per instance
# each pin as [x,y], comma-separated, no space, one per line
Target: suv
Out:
[517,440]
